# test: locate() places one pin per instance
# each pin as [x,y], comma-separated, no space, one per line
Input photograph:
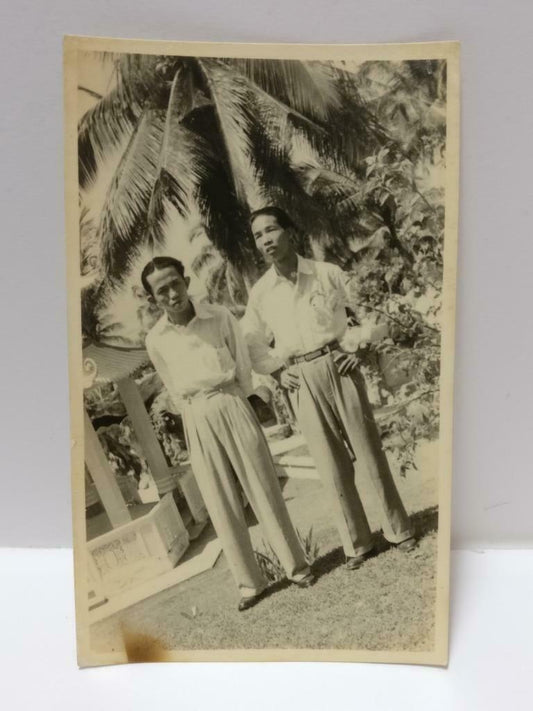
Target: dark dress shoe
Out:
[305,582]
[407,545]
[355,562]
[246,603]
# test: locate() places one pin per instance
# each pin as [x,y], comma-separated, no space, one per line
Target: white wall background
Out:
[493,477]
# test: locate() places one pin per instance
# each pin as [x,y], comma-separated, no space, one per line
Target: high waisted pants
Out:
[335,417]
[224,436]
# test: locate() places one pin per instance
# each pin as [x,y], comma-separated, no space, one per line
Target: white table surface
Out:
[491,659]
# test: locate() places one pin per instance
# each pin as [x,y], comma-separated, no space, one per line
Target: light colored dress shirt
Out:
[301,317]
[208,352]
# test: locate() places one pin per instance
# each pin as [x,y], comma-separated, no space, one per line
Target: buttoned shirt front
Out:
[301,317]
[206,353]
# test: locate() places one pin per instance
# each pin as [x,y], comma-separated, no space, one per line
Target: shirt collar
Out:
[304,266]
[201,311]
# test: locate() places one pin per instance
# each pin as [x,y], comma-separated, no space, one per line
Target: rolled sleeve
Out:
[258,338]
[161,367]
[238,349]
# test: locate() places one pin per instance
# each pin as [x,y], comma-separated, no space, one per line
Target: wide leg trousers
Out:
[224,436]
[335,416]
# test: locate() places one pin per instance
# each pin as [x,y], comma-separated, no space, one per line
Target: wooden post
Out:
[104,478]
[144,431]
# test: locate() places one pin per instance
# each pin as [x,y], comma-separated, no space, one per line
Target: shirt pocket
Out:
[323,303]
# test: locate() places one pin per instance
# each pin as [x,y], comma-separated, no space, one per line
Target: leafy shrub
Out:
[398,282]
[269,563]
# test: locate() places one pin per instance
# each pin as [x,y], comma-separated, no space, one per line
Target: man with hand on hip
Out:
[202,359]
[300,304]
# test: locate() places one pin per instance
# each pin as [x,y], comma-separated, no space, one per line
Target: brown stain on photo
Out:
[141,647]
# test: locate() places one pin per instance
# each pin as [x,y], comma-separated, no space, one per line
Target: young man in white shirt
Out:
[301,305]
[202,359]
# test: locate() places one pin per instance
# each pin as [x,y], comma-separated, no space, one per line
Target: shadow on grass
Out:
[424,522]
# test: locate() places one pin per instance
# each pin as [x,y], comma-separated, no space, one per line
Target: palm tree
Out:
[209,132]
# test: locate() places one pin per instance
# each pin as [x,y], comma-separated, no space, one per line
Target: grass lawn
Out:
[386,604]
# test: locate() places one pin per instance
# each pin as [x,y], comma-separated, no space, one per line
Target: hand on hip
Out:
[346,362]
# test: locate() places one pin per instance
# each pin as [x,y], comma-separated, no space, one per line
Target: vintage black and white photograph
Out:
[261,249]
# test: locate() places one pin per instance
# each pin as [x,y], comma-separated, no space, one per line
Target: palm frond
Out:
[338,197]
[101,128]
[205,130]
[178,166]
[276,111]
[304,87]
[114,117]
[220,132]
[257,127]
[279,181]
[231,99]
[352,132]
[122,227]
[141,79]
[225,216]
[88,245]
[340,192]
[205,258]
[90,92]
[91,302]
[349,134]
[289,186]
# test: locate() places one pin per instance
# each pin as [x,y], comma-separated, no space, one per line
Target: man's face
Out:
[273,241]
[169,290]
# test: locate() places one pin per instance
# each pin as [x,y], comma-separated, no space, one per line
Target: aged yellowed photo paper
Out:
[261,245]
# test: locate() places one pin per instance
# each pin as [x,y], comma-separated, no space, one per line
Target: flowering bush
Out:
[396,281]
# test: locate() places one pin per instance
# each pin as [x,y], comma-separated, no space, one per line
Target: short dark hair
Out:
[281,216]
[158,263]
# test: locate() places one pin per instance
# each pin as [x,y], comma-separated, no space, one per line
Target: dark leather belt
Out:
[314,354]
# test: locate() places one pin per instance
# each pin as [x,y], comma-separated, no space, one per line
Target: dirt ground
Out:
[387,604]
